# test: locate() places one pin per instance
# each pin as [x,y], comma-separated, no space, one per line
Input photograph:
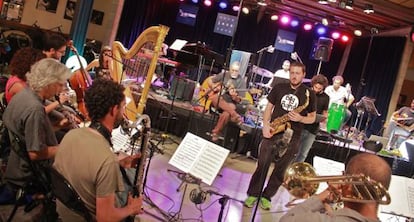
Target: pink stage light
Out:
[285,20]
[307,26]
[335,35]
[207,2]
[236,8]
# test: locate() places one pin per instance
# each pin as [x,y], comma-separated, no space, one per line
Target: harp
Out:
[138,64]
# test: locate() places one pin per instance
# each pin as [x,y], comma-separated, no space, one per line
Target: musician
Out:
[54,46]
[317,209]
[402,121]
[96,176]
[340,95]
[25,117]
[318,84]
[281,75]
[105,63]
[297,102]
[228,82]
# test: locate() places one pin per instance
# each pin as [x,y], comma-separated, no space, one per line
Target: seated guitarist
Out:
[224,96]
[402,121]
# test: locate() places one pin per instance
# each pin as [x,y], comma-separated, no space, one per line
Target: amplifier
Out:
[182,89]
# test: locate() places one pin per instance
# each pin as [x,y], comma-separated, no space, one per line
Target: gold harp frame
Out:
[154,34]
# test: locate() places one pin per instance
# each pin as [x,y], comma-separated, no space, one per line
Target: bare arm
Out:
[266,120]
[308,119]
[43,154]
[106,210]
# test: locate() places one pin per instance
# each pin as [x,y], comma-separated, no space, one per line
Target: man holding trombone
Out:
[317,207]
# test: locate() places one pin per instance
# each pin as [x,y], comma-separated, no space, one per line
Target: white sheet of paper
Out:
[178,44]
[402,197]
[327,167]
[199,157]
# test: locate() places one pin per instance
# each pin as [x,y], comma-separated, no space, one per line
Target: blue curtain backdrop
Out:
[253,34]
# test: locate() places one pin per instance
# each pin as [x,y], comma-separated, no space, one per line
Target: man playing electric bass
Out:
[224,96]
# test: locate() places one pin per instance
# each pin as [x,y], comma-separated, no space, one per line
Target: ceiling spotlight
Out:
[285,19]
[323,2]
[245,10]
[236,8]
[325,21]
[335,35]
[332,1]
[274,17]
[321,30]
[307,26]
[262,3]
[368,9]
[345,38]
[223,5]
[207,2]
[357,32]
[349,4]
[294,23]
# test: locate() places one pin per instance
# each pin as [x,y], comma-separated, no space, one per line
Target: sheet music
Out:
[178,44]
[402,197]
[327,167]
[121,141]
[199,157]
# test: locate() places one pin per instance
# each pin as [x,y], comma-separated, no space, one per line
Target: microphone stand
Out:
[223,201]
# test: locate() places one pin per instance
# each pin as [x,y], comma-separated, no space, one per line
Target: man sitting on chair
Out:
[224,96]
[402,122]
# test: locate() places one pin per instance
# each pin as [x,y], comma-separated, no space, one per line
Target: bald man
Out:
[313,209]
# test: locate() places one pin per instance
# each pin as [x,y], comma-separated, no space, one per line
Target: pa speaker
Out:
[323,49]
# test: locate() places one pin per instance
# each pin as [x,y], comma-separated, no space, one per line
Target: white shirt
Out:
[338,96]
[281,73]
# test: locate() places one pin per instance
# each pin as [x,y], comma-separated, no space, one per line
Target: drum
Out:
[336,115]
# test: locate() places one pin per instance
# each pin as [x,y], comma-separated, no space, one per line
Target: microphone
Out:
[198,196]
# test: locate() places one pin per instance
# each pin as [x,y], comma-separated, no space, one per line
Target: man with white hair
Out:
[25,117]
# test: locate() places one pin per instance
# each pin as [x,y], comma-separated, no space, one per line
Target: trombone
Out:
[302,182]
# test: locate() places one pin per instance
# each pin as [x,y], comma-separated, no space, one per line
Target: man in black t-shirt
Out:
[296,102]
[319,82]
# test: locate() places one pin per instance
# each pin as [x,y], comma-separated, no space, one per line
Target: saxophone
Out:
[281,123]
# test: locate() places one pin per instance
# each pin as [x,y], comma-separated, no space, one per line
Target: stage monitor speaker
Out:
[323,49]
[182,89]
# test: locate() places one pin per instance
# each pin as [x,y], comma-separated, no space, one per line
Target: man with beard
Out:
[54,46]
[293,101]
[318,82]
[96,176]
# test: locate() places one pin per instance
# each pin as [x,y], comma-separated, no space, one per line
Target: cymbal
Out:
[261,71]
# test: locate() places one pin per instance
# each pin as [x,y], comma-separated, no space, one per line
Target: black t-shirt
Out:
[285,99]
[322,103]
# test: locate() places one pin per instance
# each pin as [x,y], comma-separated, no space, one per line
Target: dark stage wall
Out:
[376,80]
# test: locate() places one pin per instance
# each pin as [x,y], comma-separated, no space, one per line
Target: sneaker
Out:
[250,201]
[265,204]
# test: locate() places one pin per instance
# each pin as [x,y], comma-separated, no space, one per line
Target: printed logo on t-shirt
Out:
[289,102]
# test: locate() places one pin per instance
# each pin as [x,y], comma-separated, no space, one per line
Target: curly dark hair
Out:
[53,41]
[23,59]
[102,96]
[320,79]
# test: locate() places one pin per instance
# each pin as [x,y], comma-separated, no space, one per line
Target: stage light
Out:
[325,22]
[307,26]
[236,8]
[323,2]
[207,2]
[332,1]
[345,38]
[262,3]
[335,35]
[357,32]
[223,5]
[349,4]
[321,30]
[294,23]
[274,17]
[195,1]
[368,9]
[285,19]
[245,10]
